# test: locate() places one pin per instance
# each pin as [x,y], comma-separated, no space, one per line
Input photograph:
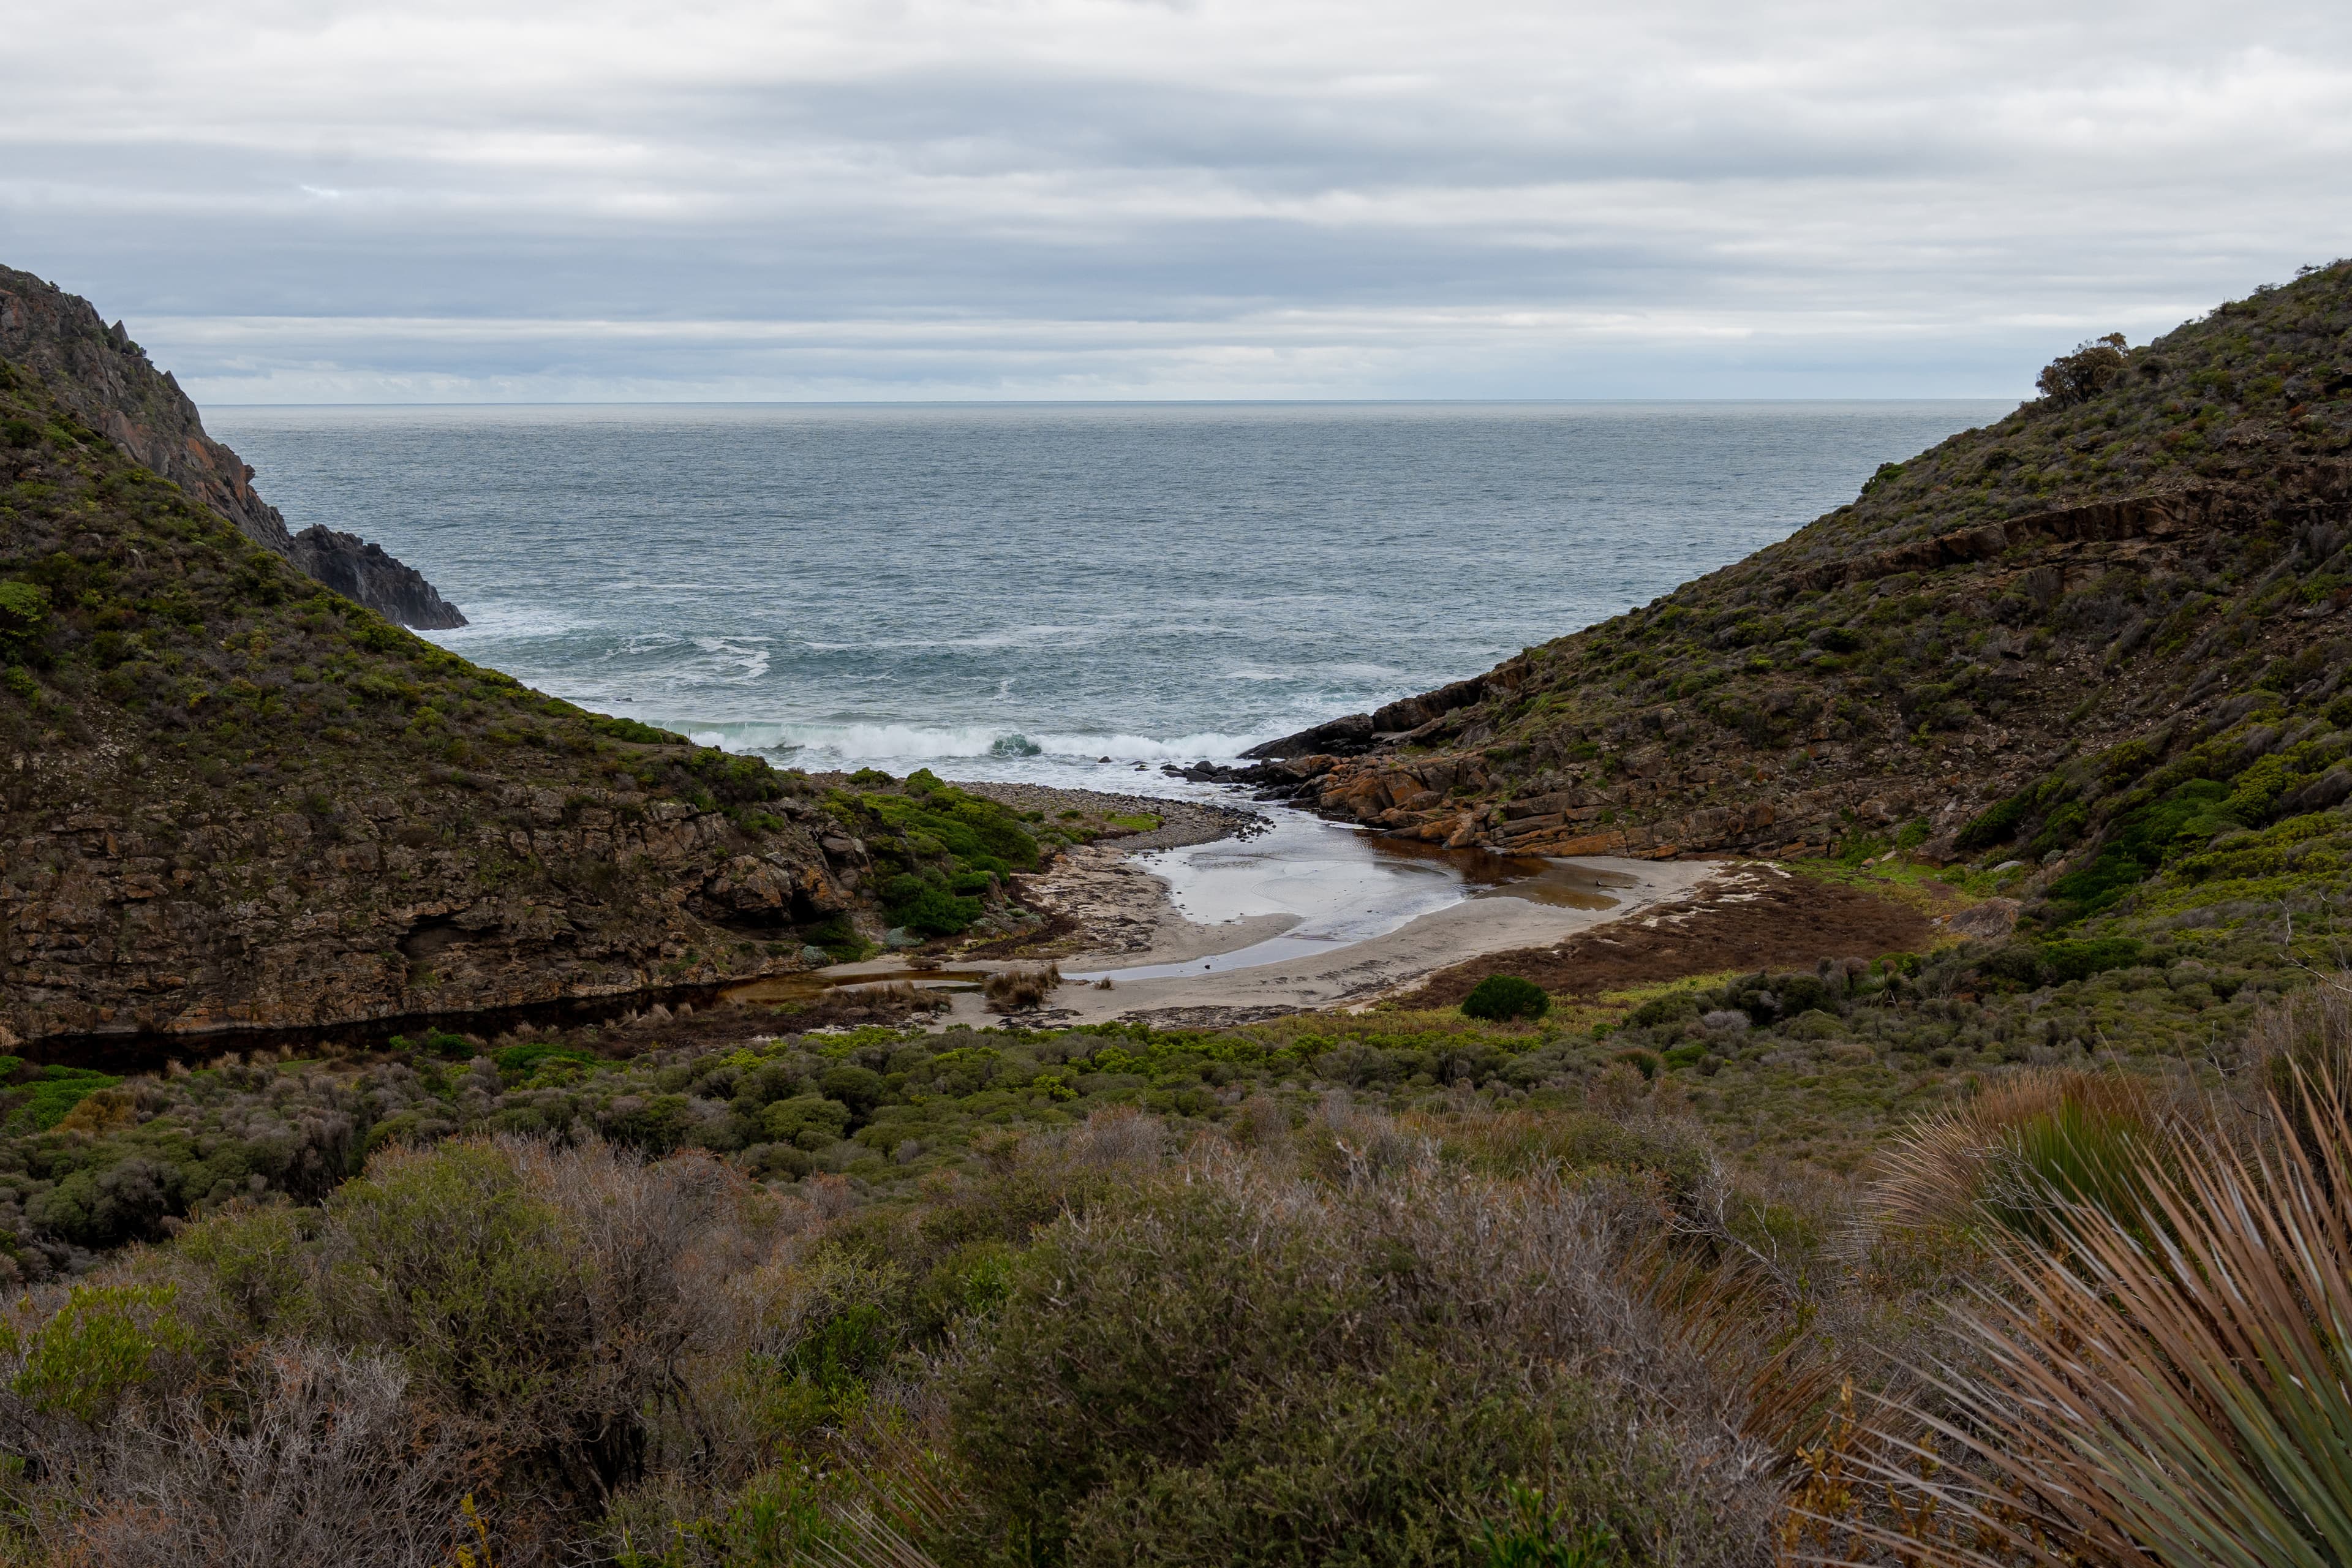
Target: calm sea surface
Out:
[1019,591]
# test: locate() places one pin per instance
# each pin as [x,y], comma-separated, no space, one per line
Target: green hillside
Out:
[2106,638]
[231,799]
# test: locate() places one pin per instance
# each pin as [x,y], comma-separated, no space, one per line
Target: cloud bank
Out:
[1198,198]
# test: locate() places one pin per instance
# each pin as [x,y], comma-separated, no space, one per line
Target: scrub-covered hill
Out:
[2104,636]
[231,798]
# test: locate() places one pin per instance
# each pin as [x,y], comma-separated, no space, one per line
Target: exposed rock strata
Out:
[153,912]
[107,380]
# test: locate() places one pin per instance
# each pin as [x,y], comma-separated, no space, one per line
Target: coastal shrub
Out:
[1501,997]
[1021,986]
[2060,962]
[2093,366]
[1997,823]
[928,909]
[2141,842]
[969,828]
[54,1091]
[806,1122]
[520,1061]
[839,939]
[1673,1008]
[106,1340]
[22,607]
[1239,1370]
[632,731]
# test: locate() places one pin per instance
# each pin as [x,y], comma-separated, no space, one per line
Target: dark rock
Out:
[1348,737]
[362,572]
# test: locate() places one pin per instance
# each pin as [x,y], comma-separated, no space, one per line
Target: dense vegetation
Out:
[1807,1067]
[1117,1297]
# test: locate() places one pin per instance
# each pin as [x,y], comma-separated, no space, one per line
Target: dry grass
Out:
[1021,986]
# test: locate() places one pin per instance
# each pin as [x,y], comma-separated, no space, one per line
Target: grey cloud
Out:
[1294,198]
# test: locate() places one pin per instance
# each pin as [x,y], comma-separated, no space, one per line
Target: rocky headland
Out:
[110,383]
[2022,646]
[235,797]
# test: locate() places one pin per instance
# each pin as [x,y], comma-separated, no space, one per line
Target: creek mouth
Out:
[1340,885]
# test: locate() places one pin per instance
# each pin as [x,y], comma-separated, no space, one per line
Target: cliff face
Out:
[230,799]
[2012,645]
[110,383]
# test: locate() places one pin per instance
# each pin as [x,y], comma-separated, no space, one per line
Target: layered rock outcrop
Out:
[108,380]
[148,915]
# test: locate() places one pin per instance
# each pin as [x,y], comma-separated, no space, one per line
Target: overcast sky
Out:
[464,200]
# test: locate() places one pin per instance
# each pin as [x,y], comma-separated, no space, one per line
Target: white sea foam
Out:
[924,743]
[500,620]
[736,661]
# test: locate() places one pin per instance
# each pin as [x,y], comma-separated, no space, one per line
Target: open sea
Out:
[1050,592]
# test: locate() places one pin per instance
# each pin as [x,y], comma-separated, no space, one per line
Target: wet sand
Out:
[1152,933]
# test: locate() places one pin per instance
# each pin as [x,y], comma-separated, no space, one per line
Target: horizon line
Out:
[1123,402]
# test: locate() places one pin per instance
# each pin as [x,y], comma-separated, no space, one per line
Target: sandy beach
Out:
[1342,974]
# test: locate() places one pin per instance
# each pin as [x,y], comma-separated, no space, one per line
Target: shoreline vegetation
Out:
[1963,1182]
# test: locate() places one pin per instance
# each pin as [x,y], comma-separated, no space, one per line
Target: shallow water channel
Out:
[1338,884]
[1342,886]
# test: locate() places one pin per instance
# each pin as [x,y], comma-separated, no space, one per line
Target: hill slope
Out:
[2121,607]
[232,799]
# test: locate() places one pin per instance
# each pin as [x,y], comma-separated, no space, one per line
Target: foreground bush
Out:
[1245,1369]
[2173,1384]
[1478,1328]
[490,1315]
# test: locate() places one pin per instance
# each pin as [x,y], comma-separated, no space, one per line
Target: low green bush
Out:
[1155,1390]
[1500,997]
[634,731]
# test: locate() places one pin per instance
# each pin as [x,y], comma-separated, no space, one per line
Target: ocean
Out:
[1050,592]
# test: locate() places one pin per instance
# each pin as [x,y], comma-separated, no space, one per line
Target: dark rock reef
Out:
[110,383]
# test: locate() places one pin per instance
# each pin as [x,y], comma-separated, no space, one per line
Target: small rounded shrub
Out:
[1501,997]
